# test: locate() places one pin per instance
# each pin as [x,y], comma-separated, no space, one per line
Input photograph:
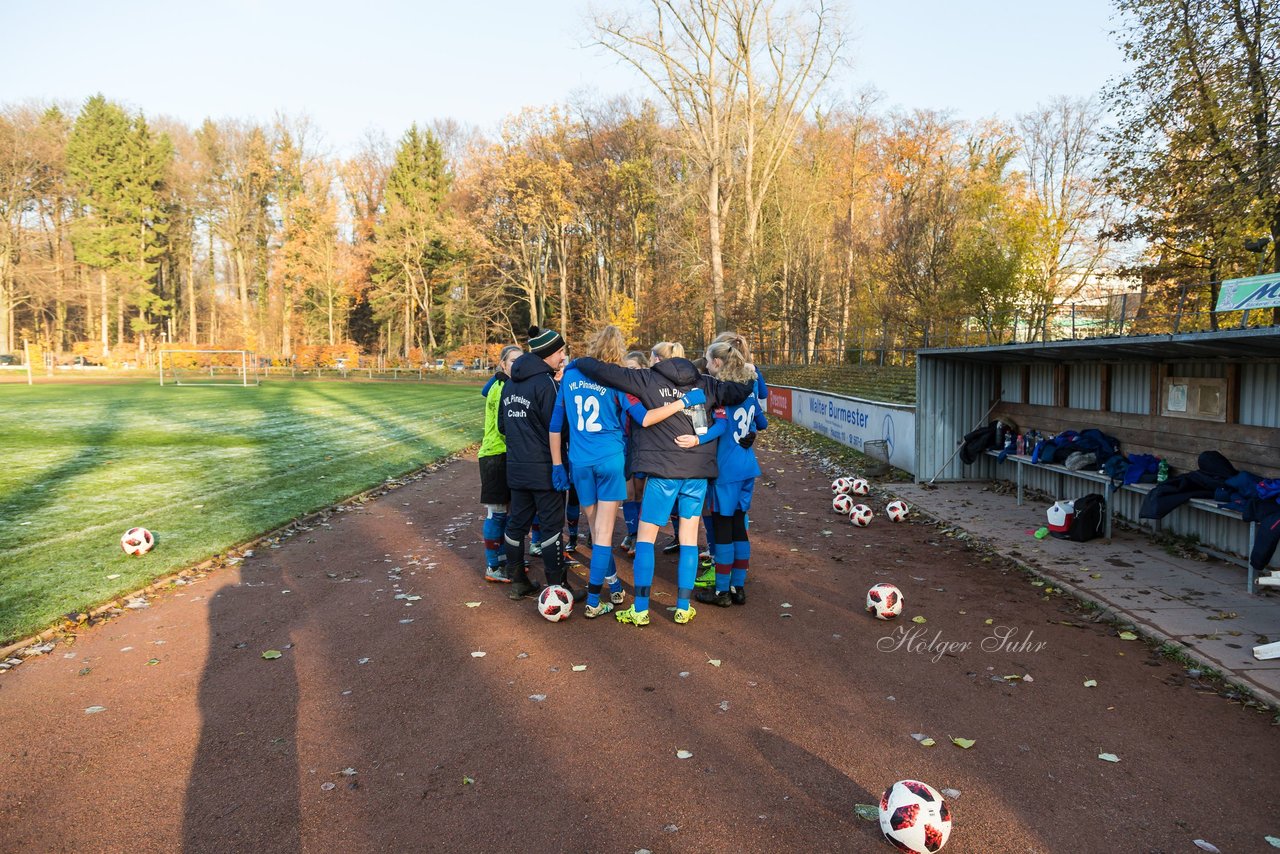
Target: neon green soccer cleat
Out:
[706,578]
[632,616]
[686,615]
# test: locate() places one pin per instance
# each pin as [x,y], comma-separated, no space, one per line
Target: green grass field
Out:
[202,468]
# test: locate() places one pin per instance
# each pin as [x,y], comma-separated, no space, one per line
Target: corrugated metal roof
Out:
[1257,343]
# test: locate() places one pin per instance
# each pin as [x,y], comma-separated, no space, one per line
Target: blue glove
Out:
[560,478]
[694,397]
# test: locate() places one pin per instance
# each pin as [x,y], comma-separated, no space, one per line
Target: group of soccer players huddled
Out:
[665,439]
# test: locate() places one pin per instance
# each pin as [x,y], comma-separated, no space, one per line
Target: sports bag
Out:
[1090,521]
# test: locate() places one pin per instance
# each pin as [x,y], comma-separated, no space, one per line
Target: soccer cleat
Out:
[629,543]
[618,596]
[705,556]
[706,578]
[571,560]
[573,544]
[738,595]
[714,597]
[577,593]
[632,616]
[598,611]
[535,548]
[685,615]
[522,587]
[498,574]
[672,547]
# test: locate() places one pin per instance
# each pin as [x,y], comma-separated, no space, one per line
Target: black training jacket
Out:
[524,418]
[655,451]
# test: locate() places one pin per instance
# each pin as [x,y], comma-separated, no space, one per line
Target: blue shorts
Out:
[660,495]
[734,495]
[604,481]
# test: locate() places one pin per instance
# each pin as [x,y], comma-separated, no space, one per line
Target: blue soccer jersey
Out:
[593,415]
[735,462]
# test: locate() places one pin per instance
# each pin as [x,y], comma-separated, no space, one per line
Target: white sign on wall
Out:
[853,422]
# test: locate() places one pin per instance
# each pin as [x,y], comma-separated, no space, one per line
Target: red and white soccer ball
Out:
[914,817]
[137,541]
[860,515]
[859,486]
[555,603]
[896,510]
[842,504]
[841,486]
[885,601]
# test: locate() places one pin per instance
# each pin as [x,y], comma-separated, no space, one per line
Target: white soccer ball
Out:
[137,541]
[896,510]
[842,504]
[885,601]
[859,486]
[860,515]
[841,485]
[914,817]
[555,603]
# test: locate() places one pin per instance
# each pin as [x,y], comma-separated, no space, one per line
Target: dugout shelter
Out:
[1171,396]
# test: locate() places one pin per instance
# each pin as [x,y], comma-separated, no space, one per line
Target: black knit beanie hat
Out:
[544,342]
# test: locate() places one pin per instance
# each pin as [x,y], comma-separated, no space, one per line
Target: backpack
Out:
[1090,521]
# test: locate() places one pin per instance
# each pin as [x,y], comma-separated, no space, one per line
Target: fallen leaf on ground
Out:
[1206,846]
[987,622]
[1273,841]
[467,781]
[1091,683]
[327,787]
[537,698]
[348,772]
[153,661]
[1108,757]
[478,654]
[965,743]
[951,793]
[473,604]
[683,754]
[1128,636]
[918,619]
[927,742]
[578,668]
[271,654]
[868,812]
[362,661]
[93,710]
[714,662]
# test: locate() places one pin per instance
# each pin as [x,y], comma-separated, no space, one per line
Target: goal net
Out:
[209,367]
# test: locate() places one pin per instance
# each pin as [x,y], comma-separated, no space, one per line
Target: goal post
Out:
[208,367]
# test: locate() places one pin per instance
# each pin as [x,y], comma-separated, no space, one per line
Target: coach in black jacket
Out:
[524,418]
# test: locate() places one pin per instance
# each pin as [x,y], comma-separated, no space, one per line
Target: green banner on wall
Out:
[1253,292]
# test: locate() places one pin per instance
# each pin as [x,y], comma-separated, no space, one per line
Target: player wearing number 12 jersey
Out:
[593,414]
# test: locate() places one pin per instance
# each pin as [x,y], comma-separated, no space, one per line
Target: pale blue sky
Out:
[479,60]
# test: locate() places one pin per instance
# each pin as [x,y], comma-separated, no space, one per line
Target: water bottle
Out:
[698,415]
[1163,473]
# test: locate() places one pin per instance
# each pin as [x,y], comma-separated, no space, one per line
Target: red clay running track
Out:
[212,748]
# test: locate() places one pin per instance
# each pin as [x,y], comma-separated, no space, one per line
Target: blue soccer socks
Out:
[643,569]
[631,516]
[601,563]
[741,563]
[494,527]
[686,572]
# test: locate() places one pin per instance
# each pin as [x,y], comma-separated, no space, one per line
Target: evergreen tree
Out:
[411,242]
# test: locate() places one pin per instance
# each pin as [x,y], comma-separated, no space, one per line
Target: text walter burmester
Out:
[916,639]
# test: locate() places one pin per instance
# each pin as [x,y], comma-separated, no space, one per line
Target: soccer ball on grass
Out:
[841,486]
[555,603]
[860,487]
[896,510]
[842,504]
[137,541]
[860,515]
[914,817]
